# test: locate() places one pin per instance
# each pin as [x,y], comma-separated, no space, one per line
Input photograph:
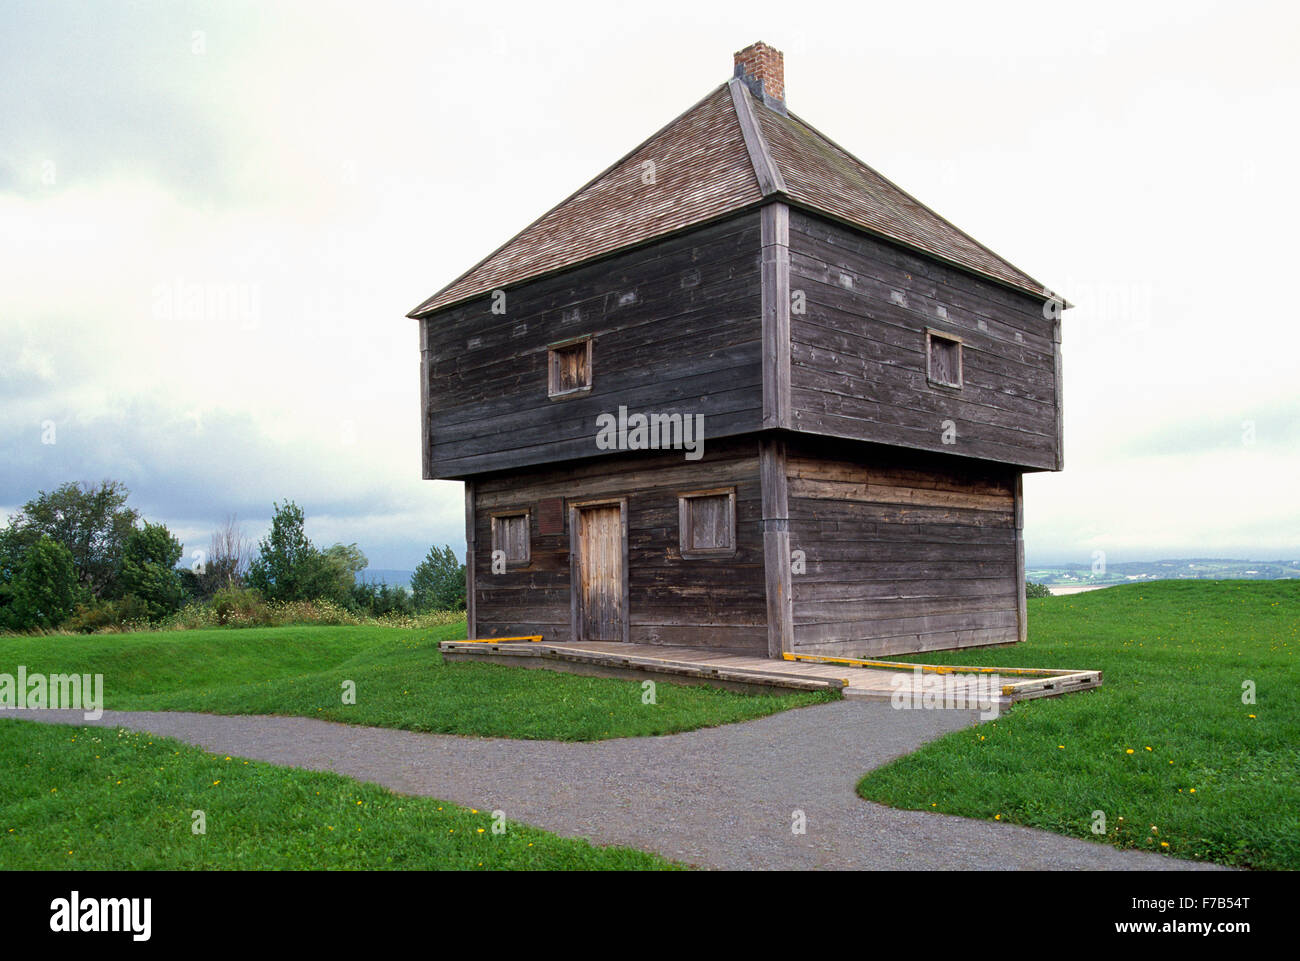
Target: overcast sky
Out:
[214,216]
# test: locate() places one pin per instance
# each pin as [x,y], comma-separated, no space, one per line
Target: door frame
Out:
[575,563]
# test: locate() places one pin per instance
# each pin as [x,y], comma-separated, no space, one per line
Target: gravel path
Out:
[720,798]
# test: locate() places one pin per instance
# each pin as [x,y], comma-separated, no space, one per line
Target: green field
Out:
[1166,748]
[98,798]
[399,676]
[103,798]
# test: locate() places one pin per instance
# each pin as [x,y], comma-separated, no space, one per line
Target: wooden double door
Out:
[598,565]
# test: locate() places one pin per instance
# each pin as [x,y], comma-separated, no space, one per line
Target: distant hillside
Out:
[380,575]
[1195,568]
[1060,575]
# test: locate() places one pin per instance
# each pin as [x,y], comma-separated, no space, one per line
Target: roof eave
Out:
[420,314]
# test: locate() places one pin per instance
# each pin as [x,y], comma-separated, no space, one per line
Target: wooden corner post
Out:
[426,445]
[1059,393]
[470,556]
[1022,612]
[775,282]
[776,546]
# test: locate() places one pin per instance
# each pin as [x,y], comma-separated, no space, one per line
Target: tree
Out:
[343,562]
[287,567]
[224,566]
[11,563]
[149,572]
[93,523]
[438,583]
[228,553]
[44,590]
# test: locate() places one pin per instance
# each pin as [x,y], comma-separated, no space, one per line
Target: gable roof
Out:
[726,153]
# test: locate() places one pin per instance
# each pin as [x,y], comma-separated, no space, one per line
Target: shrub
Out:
[1037,590]
[128,613]
[240,607]
[318,611]
[380,600]
[192,617]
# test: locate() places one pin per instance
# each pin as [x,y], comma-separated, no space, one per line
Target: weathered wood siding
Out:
[676,327]
[707,601]
[858,361]
[904,552]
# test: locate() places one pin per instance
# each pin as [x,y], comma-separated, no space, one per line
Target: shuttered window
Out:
[570,367]
[943,359]
[510,536]
[707,522]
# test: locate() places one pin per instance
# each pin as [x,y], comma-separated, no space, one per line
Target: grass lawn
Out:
[104,799]
[1166,748]
[401,682]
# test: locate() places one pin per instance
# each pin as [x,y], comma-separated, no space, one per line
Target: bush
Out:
[128,613]
[192,617]
[239,607]
[1037,590]
[380,600]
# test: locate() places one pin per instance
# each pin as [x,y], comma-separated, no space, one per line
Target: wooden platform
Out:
[907,685]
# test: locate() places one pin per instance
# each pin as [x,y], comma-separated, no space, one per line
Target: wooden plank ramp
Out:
[920,685]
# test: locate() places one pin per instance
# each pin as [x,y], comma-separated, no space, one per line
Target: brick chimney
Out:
[762,68]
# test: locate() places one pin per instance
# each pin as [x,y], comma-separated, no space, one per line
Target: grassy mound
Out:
[1165,750]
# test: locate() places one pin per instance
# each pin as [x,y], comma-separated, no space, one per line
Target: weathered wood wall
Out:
[904,552]
[676,327]
[911,543]
[858,363]
[708,601]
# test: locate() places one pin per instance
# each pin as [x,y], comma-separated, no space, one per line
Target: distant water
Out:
[381,575]
[1077,589]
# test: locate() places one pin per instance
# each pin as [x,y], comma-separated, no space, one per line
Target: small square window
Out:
[707,523]
[510,536]
[569,367]
[942,359]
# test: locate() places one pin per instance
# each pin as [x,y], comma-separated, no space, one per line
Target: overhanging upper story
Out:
[740,267]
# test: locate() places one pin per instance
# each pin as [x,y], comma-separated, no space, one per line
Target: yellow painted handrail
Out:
[534,638]
[934,668]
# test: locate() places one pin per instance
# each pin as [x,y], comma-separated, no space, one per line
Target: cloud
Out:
[92,92]
[216,215]
[191,467]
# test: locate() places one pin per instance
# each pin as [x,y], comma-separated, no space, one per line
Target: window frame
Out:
[498,529]
[684,526]
[553,370]
[931,334]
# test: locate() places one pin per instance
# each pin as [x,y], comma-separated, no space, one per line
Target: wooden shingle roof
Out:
[727,152]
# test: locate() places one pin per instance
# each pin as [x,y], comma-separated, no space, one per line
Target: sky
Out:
[215,215]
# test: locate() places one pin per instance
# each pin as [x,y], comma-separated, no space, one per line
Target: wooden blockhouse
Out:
[742,392]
